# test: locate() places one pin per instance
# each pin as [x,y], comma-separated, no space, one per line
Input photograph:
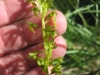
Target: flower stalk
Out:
[48,33]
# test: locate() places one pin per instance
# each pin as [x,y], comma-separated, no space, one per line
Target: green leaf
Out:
[39,62]
[33,55]
[36,11]
[52,14]
[56,69]
[57,61]
[32,26]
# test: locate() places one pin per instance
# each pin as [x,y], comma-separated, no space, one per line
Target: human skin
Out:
[17,41]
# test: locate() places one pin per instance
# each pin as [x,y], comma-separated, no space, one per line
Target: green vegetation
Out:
[82,36]
[49,33]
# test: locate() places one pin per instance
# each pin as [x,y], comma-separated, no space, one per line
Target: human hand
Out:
[17,41]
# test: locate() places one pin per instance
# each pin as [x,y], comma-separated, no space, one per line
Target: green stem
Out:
[45,50]
[43,34]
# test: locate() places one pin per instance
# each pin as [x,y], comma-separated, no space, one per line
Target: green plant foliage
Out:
[32,26]
[49,33]
[82,36]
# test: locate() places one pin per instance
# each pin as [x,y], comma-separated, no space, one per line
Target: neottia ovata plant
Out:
[48,33]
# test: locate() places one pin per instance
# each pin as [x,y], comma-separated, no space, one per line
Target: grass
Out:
[82,36]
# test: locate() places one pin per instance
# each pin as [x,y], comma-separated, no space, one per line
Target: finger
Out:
[18,62]
[14,64]
[13,10]
[61,22]
[57,52]
[61,47]
[18,35]
[35,71]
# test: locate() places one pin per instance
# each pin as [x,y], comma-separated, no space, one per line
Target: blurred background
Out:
[82,36]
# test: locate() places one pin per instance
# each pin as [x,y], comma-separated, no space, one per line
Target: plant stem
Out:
[45,50]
